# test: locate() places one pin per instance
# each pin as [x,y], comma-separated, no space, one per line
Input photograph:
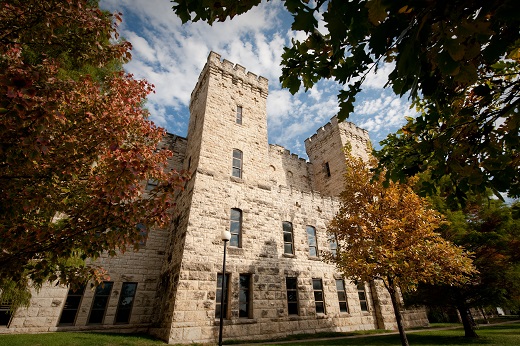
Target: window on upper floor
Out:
[143,233]
[327,169]
[239,115]
[333,244]
[288,244]
[71,307]
[311,238]
[235,227]
[237,163]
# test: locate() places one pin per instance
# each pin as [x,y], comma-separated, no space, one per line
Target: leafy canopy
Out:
[457,60]
[390,232]
[75,145]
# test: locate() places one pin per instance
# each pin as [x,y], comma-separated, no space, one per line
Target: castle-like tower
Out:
[276,206]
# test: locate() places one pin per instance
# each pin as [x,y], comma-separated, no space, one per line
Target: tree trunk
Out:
[467,322]
[392,289]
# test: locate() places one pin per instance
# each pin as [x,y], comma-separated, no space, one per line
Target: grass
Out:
[503,335]
[79,339]
[490,335]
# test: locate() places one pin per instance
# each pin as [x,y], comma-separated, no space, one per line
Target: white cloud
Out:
[170,55]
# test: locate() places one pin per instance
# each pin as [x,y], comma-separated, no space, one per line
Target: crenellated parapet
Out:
[234,74]
[345,128]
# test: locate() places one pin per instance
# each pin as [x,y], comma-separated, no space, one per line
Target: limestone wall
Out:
[262,256]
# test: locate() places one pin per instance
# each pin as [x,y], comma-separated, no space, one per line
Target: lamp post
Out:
[226,236]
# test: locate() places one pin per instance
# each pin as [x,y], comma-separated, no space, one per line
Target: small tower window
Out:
[237,163]
[239,115]
[327,169]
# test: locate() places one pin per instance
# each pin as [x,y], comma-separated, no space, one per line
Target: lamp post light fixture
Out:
[226,236]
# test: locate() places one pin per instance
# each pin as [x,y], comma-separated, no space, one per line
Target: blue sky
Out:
[170,55]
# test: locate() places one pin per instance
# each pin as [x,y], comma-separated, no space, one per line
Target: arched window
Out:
[311,238]
[237,163]
[235,227]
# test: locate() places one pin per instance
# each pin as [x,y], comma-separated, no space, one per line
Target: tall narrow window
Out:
[218,296]
[311,237]
[126,301]
[71,306]
[99,305]
[292,296]
[244,296]
[237,163]
[143,233]
[362,296]
[327,169]
[342,295]
[235,227]
[333,244]
[5,313]
[319,301]
[239,115]
[288,238]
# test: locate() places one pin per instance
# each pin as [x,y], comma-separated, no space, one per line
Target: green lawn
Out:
[499,335]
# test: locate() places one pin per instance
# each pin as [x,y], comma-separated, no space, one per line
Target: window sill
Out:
[288,255]
[238,251]
[228,322]
[314,258]
[236,180]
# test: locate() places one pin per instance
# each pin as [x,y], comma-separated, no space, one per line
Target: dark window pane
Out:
[319,308]
[291,283]
[316,284]
[287,237]
[234,240]
[343,307]
[340,286]
[5,314]
[97,312]
[71,306]
[293,308]
[341,296]
[364,306]
[126,301]
[318,295]
[287,248]
[292,296]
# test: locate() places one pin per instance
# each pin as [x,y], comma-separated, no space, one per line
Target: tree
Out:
[491,231]
[76,146]
[457,60]
[388,234]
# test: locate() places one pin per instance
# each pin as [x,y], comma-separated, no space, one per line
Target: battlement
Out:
[286,153]
[237,71]
[234,72]
[346,126]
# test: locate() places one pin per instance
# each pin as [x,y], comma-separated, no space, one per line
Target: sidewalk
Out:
[317,340]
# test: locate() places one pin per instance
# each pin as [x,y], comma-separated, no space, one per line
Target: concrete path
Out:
[317,340]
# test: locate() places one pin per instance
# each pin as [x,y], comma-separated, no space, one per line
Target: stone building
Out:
[276,206]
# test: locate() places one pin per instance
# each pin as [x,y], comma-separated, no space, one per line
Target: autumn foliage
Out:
[76,144]
[389,234]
